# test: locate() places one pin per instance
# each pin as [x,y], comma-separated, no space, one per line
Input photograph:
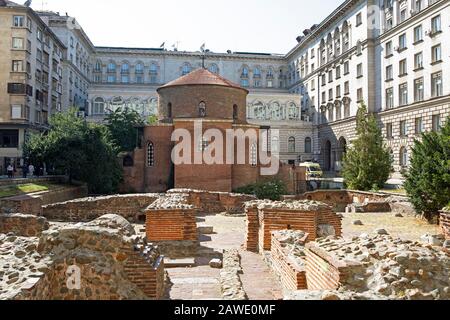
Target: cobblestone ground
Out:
[202,282]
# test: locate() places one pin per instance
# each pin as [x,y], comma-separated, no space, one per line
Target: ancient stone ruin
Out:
[263,217]
[124,246]
[111,260]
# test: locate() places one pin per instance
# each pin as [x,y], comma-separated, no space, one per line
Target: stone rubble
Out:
[293,242]
[300,205]
[232,288]
[172,201]
[23,224]
[107,251]
[391,268]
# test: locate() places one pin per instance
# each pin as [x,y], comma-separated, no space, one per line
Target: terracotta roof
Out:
[202,77]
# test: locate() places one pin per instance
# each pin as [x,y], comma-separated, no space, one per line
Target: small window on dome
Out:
[202,109]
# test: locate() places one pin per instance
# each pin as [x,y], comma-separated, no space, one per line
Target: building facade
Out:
[390,55]
[31,70]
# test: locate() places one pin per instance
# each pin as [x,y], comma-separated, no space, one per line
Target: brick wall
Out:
[292,274]
[282,219]
[262,221]
[445,224]
[148,278]
[171,225]
[86,209]
[323,272]
[215,202]
[32,203]
[251,243]
[114,263]
[23,225]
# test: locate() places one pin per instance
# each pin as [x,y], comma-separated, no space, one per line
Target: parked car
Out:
[313,170]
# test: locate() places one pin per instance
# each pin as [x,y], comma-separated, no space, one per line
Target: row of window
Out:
[436,84]
[418,127]
[126,79]
[418,37]
[402,11]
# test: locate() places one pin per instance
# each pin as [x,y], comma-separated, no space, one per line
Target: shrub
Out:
[266,190]
[428,180]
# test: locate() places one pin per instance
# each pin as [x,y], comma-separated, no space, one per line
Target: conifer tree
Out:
[428,180]
[367,164]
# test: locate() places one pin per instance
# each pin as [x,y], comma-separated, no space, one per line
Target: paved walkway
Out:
[258,281]
[202,282]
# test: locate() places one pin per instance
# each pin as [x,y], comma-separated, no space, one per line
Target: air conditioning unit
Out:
[429,33]
[396,48]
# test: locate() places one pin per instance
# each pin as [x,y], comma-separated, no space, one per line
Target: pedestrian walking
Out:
[31,170]
[10,171]
[24,171]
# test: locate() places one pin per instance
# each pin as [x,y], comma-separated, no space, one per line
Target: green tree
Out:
[83,151]
[428,180]
[367,164]
[123,127]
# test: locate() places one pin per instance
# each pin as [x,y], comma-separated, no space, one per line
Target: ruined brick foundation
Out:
[114,262]
[264,217]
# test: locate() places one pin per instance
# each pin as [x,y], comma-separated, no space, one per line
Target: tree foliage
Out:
[367,164]
[428,180]
[265,190]
[83,151]
[123,127]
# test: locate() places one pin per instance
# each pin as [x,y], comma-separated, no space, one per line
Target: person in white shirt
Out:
[31,170]
[10,170]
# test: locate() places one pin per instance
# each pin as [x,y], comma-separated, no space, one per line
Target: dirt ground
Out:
[408,228]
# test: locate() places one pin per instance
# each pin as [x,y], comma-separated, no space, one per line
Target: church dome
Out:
[202,77]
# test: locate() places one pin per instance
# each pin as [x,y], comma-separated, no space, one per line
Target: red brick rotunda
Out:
[199,96]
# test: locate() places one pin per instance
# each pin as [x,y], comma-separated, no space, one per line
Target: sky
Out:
[238,25]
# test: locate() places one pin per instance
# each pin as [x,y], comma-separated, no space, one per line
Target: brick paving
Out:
[258,281]
[202,282]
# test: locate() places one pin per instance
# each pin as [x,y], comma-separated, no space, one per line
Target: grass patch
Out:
[13,190]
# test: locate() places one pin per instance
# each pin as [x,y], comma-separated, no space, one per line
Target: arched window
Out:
[345,37]
[244,73]
[291,145]
[213,68]
[254,155]
[150,155]
[139,69]
[111,67]
[404,159]
[169,110]
[186,69]
[98,66]
[257,72]
[99,106]
[153,68]
[337,42]
[235,112]
[308,145]
[125,68]
[202,109]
